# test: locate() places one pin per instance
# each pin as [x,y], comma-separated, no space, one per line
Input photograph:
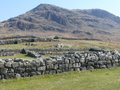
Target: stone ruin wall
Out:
[22,40]
[12,52]
[8,52]
[71,61]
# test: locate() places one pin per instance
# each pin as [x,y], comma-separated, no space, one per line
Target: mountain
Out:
[51,20]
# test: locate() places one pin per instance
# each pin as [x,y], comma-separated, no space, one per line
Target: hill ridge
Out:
[90,23]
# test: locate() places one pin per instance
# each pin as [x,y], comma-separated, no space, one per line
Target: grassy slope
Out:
[92,43]
[105,79]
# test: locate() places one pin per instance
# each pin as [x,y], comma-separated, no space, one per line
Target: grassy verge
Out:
[105,79]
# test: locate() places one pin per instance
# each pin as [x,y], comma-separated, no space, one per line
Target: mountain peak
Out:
[46,7]
[91,23]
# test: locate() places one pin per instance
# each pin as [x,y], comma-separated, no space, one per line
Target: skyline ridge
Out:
[14,8]
[62,8]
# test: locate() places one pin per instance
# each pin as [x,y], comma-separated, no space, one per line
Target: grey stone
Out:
[17,75]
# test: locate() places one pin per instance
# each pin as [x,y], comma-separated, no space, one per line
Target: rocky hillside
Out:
[90,24]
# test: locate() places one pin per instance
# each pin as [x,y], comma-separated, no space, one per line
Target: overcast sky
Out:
[11,8]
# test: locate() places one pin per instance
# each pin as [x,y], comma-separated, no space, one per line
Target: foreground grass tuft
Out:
[104,79]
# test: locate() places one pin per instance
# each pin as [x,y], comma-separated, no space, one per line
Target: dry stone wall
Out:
[71,61]
[22,40]
[8,52]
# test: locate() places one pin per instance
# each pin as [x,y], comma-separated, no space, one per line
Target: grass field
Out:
[104,79]
[72,43]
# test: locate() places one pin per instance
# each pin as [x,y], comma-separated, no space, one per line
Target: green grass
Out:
[104,79]
[19,55]
[23,45]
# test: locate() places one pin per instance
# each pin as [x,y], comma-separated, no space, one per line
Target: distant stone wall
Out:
[8,52]
[22,40]
[71,61]
[34,52]
[53,51]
